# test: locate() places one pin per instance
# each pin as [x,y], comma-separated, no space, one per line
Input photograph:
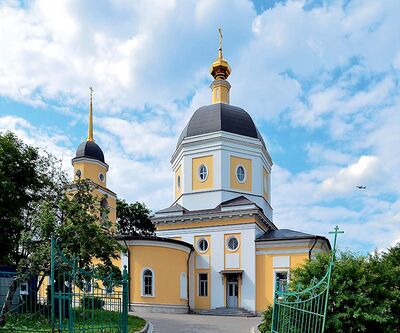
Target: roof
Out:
[154,238]
[220,117]
[282,234]
[90,149]
[224,207]
[173,209]
[238,201]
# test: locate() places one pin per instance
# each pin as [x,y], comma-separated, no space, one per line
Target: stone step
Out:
[234,312]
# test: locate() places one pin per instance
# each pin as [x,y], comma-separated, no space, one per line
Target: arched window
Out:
[147,282]
[104,210]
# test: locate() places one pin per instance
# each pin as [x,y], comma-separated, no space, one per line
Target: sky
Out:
[319,78]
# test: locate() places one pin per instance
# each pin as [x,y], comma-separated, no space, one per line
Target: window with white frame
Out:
[240,173]
[232,243]
[203,172]
[281,280]
[147,282]
[203,284]
[202,245]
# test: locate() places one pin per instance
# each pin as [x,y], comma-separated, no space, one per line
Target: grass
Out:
[103,322]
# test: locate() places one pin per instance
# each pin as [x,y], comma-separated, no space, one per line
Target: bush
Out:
[364,294]
[88,302]
[266,322]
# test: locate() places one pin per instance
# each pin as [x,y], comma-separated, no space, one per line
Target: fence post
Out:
[275,307]
[125,301]
[52,277]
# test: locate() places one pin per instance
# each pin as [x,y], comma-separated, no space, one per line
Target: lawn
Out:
[99,321]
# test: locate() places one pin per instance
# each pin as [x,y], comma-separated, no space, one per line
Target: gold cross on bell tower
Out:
[90,127]
[220,44]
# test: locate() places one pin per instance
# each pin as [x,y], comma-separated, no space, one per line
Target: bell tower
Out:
[89,164]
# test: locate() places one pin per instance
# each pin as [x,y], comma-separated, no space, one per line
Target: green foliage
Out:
[73,219]
[266,322]
[364,294]
[36,203]
[26,178]
[88,302]
[134,219]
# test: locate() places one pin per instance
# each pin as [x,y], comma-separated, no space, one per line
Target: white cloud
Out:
[364,171]
[330,73]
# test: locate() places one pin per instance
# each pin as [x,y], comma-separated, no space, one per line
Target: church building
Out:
[216,249]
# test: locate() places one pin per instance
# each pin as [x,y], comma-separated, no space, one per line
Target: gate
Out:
[70,299]
[303,311]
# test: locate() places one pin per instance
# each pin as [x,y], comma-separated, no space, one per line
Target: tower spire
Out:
[90,127]
[220,70]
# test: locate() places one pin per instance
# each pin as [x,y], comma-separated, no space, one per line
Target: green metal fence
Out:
[69,299]
[303,311]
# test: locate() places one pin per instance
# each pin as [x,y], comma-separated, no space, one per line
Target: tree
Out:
[364,294]
[49,208]
[134,219]
[26,177]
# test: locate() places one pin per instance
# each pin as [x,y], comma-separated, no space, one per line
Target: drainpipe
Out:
[129,271]
[187,278]
[309,252]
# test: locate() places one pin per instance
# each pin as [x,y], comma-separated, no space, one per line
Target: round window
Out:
[203,172]
[78,173]
[241,174]
[202,245]
[232,243]
[101,176]
[178,185]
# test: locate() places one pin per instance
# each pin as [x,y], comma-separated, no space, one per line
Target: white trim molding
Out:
[153,277]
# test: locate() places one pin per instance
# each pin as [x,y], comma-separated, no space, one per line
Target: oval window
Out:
[233,243]
[202,245]
[101,177]
[241,174]
[203,172]
[78,173]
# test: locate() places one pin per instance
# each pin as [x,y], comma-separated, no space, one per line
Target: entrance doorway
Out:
[232,290]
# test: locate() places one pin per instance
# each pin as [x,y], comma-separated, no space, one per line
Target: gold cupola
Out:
[220,70]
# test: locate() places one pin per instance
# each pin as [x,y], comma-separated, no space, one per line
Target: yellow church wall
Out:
[167,265]
[265,274]
[209,223]
[91,170]
[197,184]
[247,164]
[178,189]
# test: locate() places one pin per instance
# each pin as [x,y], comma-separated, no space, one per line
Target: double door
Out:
[232,291]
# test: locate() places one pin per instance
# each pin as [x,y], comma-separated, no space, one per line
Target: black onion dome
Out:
[90,149]
[220,117]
